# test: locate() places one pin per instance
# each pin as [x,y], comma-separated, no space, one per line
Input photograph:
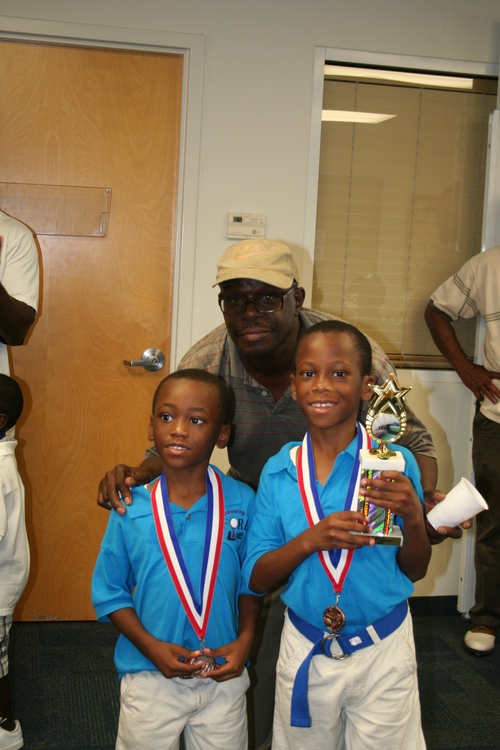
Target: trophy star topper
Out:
[389,392]
[386,418]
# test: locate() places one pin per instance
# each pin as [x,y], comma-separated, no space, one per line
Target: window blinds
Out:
[399,209]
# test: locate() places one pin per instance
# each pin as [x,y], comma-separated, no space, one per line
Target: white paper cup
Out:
[461,503]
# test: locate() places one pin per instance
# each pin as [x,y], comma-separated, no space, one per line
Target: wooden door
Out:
[101,118]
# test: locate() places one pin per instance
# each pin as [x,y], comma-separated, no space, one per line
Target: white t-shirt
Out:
[475,290]
[14,549]
[19,272]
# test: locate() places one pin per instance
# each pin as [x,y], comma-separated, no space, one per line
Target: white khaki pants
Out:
[368,701]
[155,710]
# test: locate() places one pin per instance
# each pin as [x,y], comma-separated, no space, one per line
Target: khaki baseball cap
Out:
[264,260]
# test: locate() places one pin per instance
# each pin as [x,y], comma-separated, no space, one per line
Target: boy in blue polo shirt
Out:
[346,674]
[169,577]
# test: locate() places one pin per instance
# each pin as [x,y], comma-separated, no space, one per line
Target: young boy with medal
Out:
[169,577]
[346,673]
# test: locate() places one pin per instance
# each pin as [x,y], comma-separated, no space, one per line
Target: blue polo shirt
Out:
[131,571]
[374,584]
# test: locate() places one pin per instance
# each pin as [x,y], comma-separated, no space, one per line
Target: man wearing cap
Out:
[253,350]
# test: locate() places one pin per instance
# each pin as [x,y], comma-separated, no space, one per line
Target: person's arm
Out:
[475,377]
[432,496]
[428,472]
[15,316]
[122,478]
[395,491]
[169,658]
[333,532]
[236,653]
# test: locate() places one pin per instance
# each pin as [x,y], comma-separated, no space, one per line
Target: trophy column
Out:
[385,423]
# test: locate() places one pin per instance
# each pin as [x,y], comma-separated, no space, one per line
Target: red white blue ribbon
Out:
[335,562]
[197,610]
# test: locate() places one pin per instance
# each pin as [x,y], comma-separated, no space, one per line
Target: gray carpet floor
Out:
[66,690]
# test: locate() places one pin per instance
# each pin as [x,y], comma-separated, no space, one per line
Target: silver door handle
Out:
[152,359]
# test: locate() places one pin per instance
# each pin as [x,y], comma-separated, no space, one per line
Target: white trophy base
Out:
[368,461]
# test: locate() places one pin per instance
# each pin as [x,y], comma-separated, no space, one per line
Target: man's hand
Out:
[479,381]
[120,480]
[436,536]
[475,377]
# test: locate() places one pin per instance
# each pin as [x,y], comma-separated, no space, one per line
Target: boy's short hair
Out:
[11,400]
[361,343]
[224,390]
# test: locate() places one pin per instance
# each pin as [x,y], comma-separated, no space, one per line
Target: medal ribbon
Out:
[335,562]
[198,612]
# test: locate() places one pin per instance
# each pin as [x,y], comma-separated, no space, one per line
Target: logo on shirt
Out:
[237,527]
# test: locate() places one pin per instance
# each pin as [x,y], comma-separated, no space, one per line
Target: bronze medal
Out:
[207,664]
[334,619]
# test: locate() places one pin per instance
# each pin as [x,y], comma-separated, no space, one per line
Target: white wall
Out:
[257,89]
[256,113]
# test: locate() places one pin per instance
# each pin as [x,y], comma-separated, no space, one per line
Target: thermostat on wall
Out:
[245,226]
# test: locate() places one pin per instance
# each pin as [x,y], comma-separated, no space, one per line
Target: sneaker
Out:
[479,640]
[11,740]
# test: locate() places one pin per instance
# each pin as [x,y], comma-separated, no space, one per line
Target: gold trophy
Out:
[385,423]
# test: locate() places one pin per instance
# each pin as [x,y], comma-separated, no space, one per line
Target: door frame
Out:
[192,49]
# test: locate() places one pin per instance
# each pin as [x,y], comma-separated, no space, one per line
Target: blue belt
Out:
[300,716]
